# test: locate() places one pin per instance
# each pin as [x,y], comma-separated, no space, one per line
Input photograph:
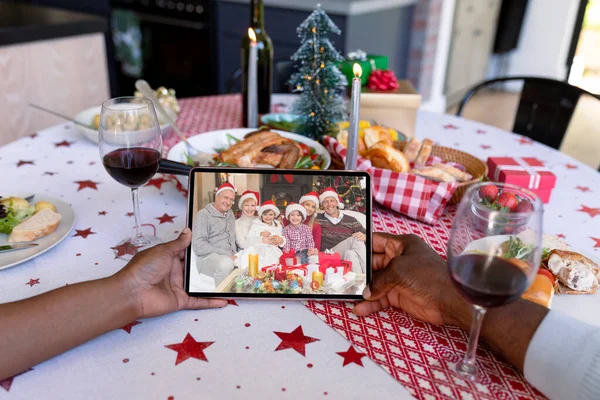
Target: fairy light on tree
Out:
[318,79]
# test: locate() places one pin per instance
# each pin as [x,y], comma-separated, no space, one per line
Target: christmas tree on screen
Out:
[318,79]
[349,188]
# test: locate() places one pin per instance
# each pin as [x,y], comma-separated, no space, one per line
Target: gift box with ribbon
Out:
[289,258]
[329,258]
[368,63]
[526,172]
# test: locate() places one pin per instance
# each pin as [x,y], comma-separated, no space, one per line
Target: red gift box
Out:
[343,263]
[289,258]
[333,259]
[526,172]
[270,268]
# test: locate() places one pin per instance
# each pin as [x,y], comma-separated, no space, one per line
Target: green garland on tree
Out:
[318,79]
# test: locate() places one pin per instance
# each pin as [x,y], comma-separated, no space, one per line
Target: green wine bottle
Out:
[265,63]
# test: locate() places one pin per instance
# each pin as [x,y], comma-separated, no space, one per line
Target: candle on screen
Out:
[252,105]
[252,264]
[352,151]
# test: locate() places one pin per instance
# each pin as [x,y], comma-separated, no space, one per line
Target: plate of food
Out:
[562,271]
[31,226]
[248,148]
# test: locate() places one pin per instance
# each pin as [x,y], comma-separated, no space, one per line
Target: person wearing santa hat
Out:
[265,237]
[310,202]
[247,203]
[341,233]
[298,236]
[213,239]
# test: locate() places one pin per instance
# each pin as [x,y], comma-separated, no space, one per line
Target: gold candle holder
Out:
[252,265]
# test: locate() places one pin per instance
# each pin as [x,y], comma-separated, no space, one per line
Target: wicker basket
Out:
[473,165]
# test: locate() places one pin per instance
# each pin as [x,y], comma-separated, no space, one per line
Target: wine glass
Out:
[494,252]
[130,147]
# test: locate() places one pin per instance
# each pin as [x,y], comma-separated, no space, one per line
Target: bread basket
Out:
[473,165]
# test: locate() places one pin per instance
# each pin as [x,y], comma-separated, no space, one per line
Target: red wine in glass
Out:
[487,282]
[132,166]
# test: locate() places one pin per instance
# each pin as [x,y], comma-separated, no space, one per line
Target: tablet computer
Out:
[285,234]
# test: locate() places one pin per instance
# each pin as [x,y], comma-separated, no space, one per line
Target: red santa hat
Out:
[223,187]
[330,192]
[312,196]
[268,205]
[249,194]
[295,207]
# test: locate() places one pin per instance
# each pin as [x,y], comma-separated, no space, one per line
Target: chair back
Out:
[545,107]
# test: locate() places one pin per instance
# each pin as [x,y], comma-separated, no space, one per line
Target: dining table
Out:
[262,349]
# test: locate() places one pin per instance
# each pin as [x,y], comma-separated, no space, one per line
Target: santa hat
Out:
[330,192]
[249,194]
[268,205]
[223,187]
[295,207]
[312,196]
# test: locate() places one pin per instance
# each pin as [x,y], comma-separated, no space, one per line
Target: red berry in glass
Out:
[524,206]
[489,192]
[507,200]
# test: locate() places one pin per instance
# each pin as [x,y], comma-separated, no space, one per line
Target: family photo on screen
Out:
[278,234]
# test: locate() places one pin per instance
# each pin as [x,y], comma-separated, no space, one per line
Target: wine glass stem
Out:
[139,238]
[467,366]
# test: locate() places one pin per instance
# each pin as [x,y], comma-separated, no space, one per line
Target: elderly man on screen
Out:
[213,239]
[340,232]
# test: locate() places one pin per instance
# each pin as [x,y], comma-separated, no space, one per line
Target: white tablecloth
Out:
[243,361]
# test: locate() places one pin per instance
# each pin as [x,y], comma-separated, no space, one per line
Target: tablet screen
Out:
[279,233]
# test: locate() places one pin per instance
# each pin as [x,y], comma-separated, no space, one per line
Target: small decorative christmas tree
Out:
[318,79]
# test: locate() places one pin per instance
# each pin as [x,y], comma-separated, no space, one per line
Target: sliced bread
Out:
[42,223]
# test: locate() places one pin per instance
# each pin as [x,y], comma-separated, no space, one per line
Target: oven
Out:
[167,43]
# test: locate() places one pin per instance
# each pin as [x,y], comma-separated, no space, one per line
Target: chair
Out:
[545,107]
[282,71]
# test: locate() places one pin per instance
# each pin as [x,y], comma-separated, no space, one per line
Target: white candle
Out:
[352,150]
[252,106]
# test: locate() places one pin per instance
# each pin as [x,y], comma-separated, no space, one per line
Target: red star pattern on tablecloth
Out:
[597,240]
[189,348]
[232,303]
[33,282]
[480,131]
[125,248]
[525,140]
[450,126]
[24,162]
[157,182]
[561,236]
[352,356]
[7,383]
[50,173]
[33,135]
[127,328]
[590,210]
[166,218]
[87,184]
[485,146]
[571,166]
[102,213]
[583,188]
[64,143]
[129,214]
[84,233]
[296,340]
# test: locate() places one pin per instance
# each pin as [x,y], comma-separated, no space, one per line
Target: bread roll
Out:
[425,152]
[411,150]
[435,174]
[541,291]
[383,155]
[42,223]
[376,134]
[342,138]
[455,172]
[574,271]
